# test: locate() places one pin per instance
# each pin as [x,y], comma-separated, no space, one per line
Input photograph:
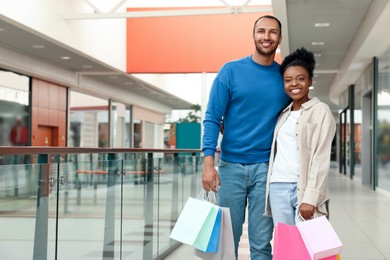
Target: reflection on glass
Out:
[14,107]
[89,123]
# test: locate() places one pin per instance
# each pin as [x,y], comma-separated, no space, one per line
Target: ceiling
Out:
[347,46]
[19,38]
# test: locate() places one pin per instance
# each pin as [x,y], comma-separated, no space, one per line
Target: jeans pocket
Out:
[222,163]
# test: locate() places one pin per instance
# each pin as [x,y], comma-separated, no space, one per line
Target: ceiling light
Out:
[317,43]
[65,58]
[87,67]
[311,87]
[321,24]
[318,55]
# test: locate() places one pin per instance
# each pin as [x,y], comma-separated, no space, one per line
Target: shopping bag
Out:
[289,245]
[225,249]
[320,238]
[212,245]
[195,224]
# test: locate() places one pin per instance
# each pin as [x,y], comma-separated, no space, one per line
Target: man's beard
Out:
[265,53]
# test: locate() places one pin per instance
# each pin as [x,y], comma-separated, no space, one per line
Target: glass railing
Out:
[80,203]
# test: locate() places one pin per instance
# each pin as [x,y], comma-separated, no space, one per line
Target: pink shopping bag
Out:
[288,244]
[320,238]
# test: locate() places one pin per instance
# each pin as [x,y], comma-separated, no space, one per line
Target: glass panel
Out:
[89,207]
[139,209]
[118,122]
[137,126]
[128,127]
[27,228]
[14,109]
[75,206]
[89,122]
[384,122]
[358,142]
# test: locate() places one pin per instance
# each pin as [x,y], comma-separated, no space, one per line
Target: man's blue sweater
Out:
[249,98]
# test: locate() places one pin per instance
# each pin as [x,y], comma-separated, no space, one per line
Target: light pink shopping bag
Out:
[288,244]
[320,238]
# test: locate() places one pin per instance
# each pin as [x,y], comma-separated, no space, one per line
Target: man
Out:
[248,95]
[19,133]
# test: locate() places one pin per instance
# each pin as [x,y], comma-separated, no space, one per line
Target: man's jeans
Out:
[284,202]
[243,184]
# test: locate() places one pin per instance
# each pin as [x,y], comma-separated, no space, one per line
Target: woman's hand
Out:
[307,211]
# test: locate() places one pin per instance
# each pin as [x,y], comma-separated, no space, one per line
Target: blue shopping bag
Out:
[198,225]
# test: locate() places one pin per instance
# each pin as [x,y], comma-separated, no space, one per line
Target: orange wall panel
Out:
[48,112]
[188,44]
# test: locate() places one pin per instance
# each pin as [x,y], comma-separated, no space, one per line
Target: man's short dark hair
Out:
[269,17]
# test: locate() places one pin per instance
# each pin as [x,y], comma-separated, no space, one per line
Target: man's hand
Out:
[210,177]
[307,211]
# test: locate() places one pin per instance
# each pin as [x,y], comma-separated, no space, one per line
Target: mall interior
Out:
[96,161]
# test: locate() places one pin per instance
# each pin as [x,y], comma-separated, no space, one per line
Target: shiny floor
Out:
[360,216]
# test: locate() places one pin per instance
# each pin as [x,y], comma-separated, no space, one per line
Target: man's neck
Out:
[265,60]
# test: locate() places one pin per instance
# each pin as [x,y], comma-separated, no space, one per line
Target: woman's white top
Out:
[286,164]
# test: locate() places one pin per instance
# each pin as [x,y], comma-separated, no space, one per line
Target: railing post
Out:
[109,225]
[175,190]
[148,248]
[42,213]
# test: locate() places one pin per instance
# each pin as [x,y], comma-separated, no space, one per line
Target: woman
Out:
[297,183]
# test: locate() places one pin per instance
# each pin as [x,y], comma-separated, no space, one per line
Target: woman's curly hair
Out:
[300,57]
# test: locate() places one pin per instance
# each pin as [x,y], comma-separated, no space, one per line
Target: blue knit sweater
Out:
[249,97]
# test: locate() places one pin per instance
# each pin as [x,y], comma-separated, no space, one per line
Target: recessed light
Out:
[65,57]
[38,46]
[318,55]
[321,24]
[311,87]
[317,43]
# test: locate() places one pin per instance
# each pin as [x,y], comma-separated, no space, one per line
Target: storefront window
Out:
[121,125]
[89,121]
[358,118]
[14,109]
[384,122]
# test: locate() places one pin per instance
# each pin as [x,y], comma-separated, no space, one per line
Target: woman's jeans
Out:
[242,185]
[284,203]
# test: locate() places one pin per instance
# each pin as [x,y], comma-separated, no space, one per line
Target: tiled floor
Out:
[360,216]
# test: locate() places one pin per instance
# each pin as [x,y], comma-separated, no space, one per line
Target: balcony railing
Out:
[86,203]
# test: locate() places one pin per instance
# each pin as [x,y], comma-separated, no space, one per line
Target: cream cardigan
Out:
[315,131]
